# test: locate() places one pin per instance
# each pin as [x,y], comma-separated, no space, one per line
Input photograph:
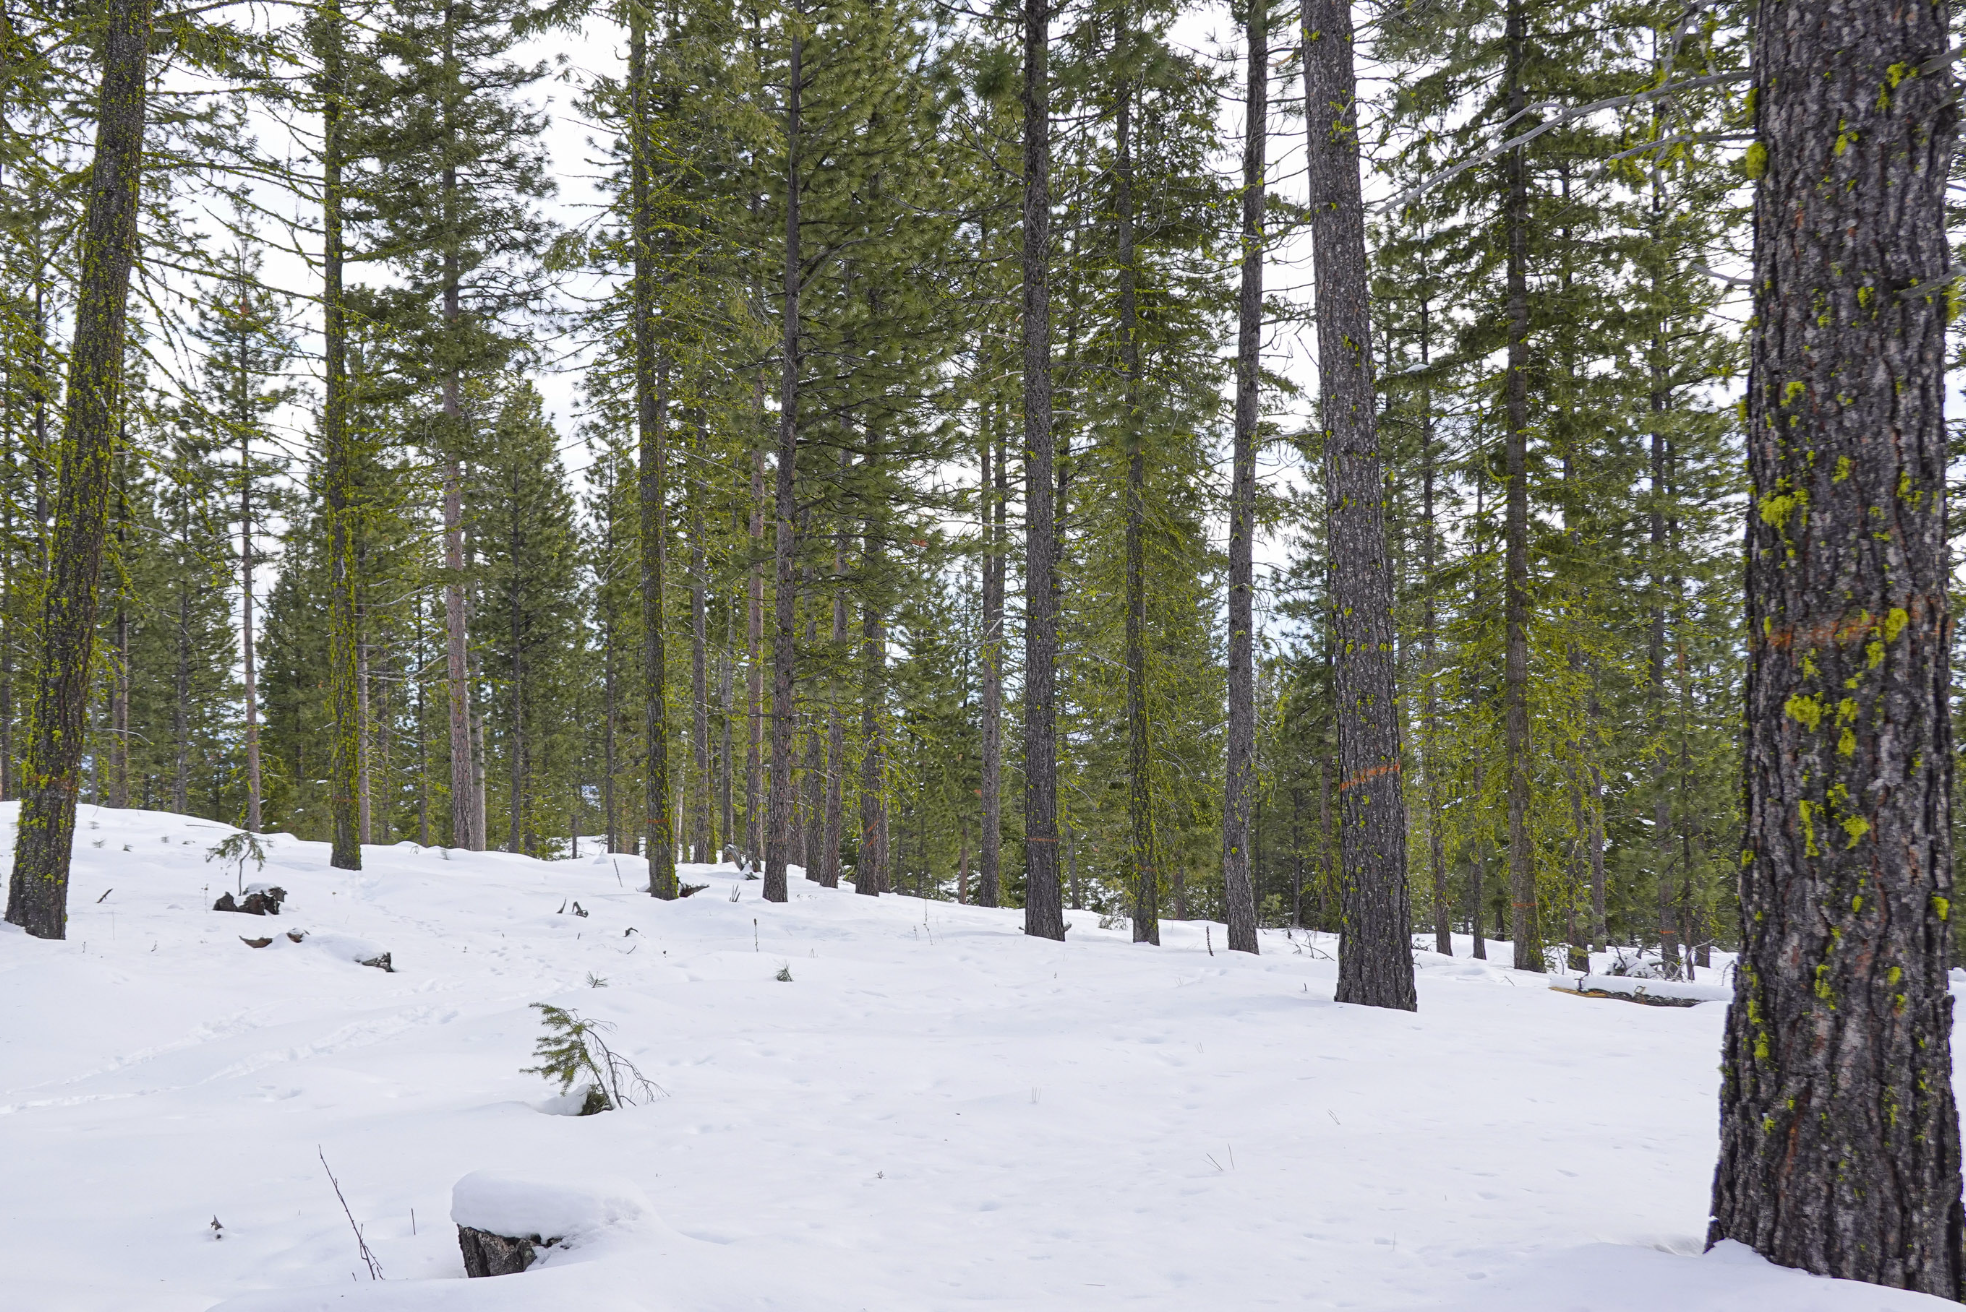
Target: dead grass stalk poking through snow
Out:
[361,1244]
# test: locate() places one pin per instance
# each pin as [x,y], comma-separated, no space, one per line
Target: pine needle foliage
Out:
[573,1051]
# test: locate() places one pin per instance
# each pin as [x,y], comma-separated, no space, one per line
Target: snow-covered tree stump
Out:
[503,1221]
[487,1254]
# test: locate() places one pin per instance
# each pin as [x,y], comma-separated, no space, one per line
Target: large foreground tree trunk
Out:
[1375,961]
[1839,1138]
[37,899]
[1239,790]
[1044,909]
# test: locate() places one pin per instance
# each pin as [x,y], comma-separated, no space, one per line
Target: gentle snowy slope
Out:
[935,1112]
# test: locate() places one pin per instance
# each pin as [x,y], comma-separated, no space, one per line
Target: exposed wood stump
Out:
[487,1254]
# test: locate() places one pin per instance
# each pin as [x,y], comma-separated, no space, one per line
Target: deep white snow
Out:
[934,1113]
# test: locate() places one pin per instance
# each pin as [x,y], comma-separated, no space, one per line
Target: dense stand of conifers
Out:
[921,357]
[809,283]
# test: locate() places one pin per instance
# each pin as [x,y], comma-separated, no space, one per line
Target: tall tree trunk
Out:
[1044,912]
[870,874]
[37,896]
[364,731]
[1524,925]
[516,749]
[1655,693]
[991,492]
[1142,852]
[1297,857]
[381,731]
[815,786]
[609,702]
[755,669]
[829,850]
[726,663]
[962,858]
[119,710]
[651,421]
[480,827]
[1600,940]
[1839,1138]
[702,837]
[181,707]
[9,634]
[422,741]
[1375,960]
[1477,876]
[1239,787]
[1430,734]
[247,654]
[779,802]
[467,829]
[338,471]
[457,680]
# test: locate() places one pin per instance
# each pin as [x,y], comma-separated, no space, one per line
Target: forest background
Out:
[838,185]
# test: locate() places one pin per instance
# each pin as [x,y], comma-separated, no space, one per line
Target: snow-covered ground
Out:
[934,1112]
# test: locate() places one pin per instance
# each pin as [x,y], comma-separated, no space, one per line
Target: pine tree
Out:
[248,346]
[527,623]
[38,891]
[1375,965]
[1839,1135]
[452,176]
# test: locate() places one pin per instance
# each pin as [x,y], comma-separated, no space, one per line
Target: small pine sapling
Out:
[784,974]
[572,1051]
[239,848]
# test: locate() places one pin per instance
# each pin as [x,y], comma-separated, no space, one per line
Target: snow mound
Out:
[517,1206]
[339,947]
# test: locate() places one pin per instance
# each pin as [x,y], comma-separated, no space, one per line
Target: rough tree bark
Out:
[338,468]
[1375,961]
[779,801]
[870,873]
[991,491]
[1044,911]
[829,843]
[1142,851]
[1239,784]
[754,668]
[702,825]
[250,683]
[37,897]
[1525,927]
[1429,656]
[651,422]
[1655,695]
[1839,1137]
